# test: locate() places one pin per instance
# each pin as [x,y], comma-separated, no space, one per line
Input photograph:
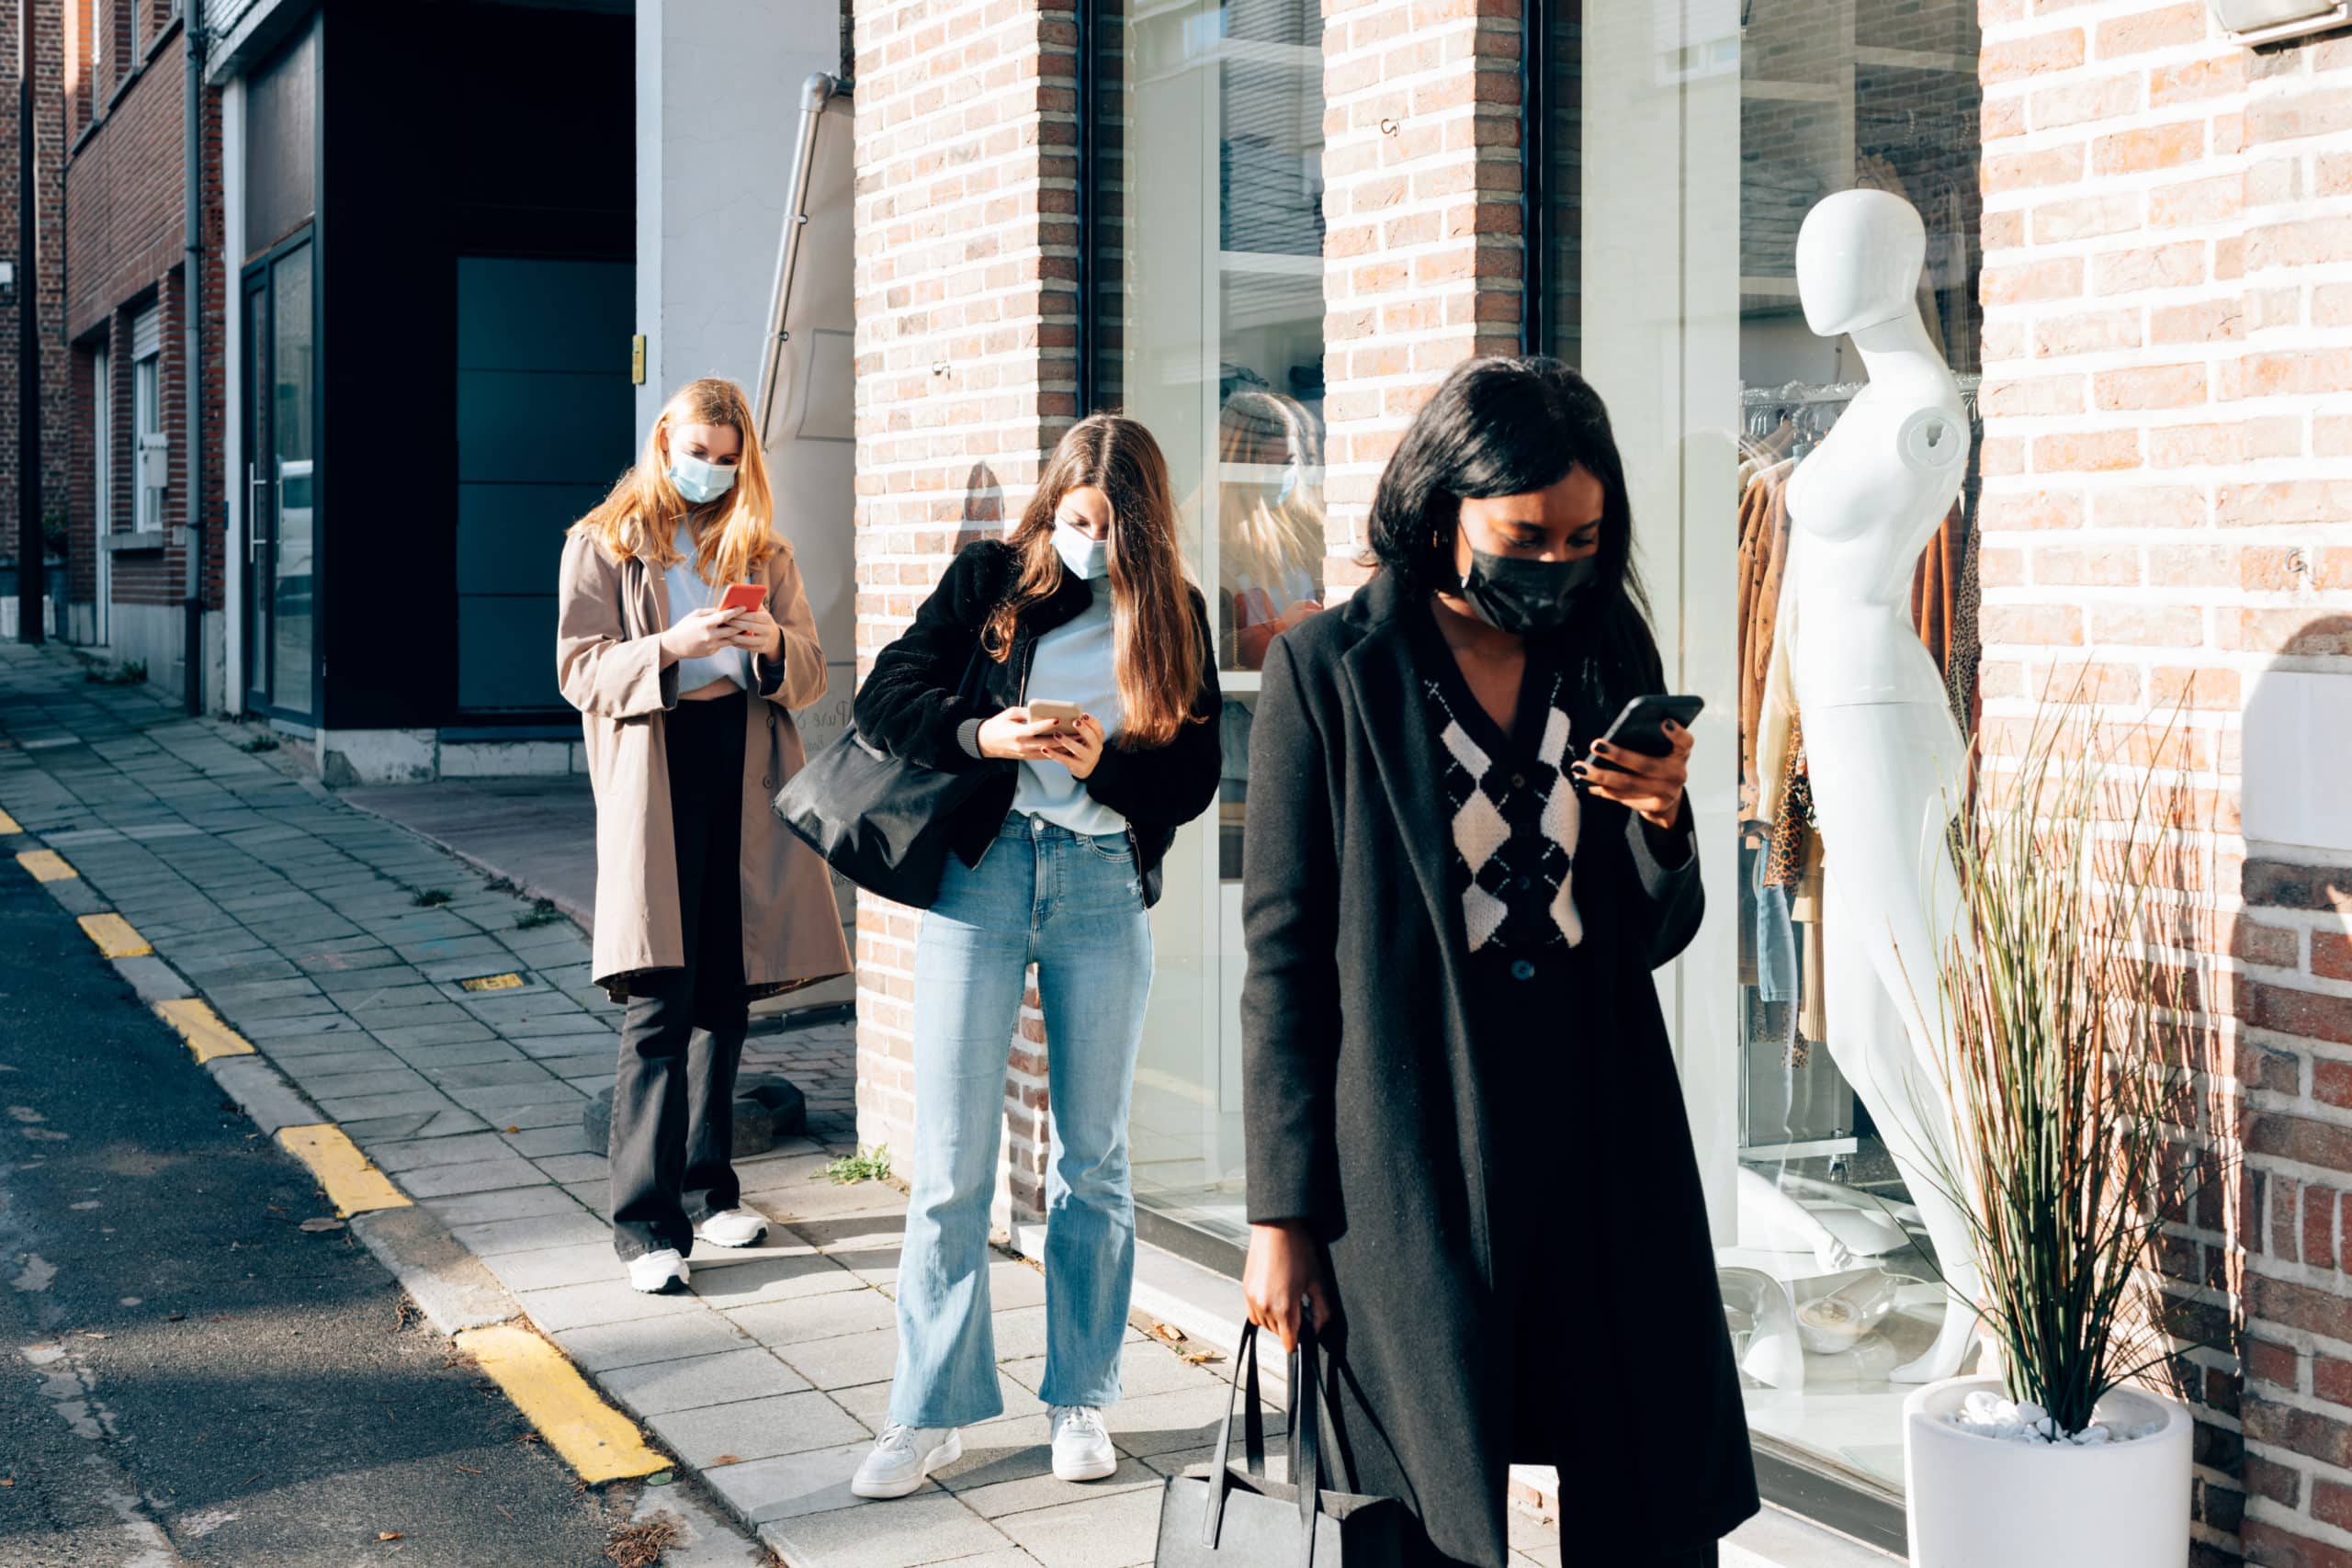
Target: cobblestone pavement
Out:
[340,944]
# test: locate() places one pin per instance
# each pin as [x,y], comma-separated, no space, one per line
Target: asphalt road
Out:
[186,1376]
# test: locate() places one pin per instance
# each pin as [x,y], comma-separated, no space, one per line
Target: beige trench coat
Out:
[608,661]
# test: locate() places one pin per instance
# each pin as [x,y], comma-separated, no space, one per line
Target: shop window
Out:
[1205,295]
[1685,312]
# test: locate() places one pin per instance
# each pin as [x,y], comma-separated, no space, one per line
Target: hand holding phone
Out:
[1064,714]
[1638,763]
[745,596]
[1641,725]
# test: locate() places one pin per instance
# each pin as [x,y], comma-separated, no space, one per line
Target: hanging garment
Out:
[1763,570]
[1935,589]
[1967,645]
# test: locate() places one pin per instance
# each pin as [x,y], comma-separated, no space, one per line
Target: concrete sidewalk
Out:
[339,944]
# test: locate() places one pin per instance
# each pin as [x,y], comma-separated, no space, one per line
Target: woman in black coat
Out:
[1467,1148]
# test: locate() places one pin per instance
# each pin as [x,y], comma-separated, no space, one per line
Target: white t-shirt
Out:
[1074,664]
[689,593]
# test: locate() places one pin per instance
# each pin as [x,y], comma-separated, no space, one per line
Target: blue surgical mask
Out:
[1088,558]
[699,480]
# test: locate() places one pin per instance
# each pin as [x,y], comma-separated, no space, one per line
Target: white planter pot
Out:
[1978,1502]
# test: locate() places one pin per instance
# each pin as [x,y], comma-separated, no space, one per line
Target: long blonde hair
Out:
[639,519]
[1158,652]
[1265,538]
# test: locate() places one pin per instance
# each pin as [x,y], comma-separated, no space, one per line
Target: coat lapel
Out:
[1388,691]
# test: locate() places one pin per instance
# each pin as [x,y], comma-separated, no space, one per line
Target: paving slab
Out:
[757,1429]
[1118,1529]
[923,1528]
[788,1485]
[611,1345]
[725,1377]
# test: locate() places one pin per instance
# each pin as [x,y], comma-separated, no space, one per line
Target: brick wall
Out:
[126,235]
[45,287]
[2168,346]
[1422,255]
[966,375]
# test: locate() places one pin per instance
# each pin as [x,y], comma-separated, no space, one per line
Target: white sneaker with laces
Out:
[1082,1448]
[659,1273]
[732,1227]
[902,1456]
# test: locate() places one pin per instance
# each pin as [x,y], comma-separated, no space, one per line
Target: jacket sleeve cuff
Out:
[967,736]
[1662,856]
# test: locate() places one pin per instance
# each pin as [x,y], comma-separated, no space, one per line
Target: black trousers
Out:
[682,1039]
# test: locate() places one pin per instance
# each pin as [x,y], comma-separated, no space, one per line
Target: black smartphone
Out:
[1642,726]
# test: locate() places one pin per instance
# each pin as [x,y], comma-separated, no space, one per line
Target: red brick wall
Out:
[1422,255]
[126,236]
[2168,346]
[966,375]
[49,70]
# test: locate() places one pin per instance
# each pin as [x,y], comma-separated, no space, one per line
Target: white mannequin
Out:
[1882,751]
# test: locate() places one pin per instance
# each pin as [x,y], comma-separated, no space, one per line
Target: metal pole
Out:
[32,560]
[192,378]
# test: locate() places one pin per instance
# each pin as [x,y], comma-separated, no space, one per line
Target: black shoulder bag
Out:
[1233,1517]
[880,821]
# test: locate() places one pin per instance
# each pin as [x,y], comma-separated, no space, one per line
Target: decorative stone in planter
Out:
[768,1109]
[1977,1501]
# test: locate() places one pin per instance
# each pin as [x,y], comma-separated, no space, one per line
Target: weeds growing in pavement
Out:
[542,913]
[866,1165]
[431,898]
[258,744]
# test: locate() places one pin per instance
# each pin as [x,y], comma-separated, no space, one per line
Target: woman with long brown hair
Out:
[1086,608]
[702,899]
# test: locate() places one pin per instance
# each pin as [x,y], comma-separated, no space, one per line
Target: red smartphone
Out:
[744,596]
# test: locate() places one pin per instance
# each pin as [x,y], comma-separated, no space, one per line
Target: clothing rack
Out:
[1796,393]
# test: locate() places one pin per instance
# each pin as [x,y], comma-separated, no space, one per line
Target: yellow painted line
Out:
[47,865]
[202,1028]
[595,1440]
[9,824]
[354,1186]
[116,937]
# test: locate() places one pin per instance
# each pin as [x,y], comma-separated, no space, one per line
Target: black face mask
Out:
[1527,598]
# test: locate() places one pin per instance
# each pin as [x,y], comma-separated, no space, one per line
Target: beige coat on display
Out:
[608,663]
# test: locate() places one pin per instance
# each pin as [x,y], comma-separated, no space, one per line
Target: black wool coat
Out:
[916,705]
[1372,1112]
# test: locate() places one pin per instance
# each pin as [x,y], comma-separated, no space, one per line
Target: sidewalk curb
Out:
[452,1287]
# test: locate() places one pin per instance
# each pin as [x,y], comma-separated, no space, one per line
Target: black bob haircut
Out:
[1510,426]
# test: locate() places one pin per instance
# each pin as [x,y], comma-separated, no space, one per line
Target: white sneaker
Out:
[902,1456]
[1082,1448]
[732,1227]
[658,1274]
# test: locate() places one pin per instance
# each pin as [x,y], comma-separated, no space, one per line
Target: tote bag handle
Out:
[1305,1429]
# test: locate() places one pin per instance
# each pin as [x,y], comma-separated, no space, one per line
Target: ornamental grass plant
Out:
[2080,1073]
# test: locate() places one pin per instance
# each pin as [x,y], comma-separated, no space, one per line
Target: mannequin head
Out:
[1858,257]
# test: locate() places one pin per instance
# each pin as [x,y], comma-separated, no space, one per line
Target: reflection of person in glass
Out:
[1269,520]
[1467,1151]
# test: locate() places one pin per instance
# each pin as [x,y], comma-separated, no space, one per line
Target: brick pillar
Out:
[1423,248]
[967,374]
[2168,349]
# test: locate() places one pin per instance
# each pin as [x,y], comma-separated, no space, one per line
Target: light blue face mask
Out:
[1088,558]
[699,480]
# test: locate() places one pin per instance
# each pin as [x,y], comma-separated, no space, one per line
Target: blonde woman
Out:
[1272,544]
[702,899]
[1057,861]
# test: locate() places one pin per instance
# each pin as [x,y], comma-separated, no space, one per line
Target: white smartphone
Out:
[1064,714]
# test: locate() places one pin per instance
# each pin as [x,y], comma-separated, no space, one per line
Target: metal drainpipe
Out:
[32,557]
[192,42]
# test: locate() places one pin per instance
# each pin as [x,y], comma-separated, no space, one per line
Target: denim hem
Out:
[957,1424]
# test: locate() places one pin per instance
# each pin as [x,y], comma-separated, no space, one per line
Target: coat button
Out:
[1521,969]
[767,781]
[1518,781]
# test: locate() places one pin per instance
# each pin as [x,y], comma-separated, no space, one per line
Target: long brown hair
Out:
[1158,650]
[732,533]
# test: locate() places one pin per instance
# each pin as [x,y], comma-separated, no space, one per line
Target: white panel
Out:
[146,332]
[2298,755]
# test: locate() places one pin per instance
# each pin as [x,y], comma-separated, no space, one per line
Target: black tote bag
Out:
[881,822]
[1233,1517]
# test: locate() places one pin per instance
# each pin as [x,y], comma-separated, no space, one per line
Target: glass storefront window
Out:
[1685,314]
[1208,307]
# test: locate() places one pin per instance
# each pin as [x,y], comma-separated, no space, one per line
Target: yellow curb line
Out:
[9,824]
[354,1185]
[202,1028]
[47,865]
[595,1440]
[116,937]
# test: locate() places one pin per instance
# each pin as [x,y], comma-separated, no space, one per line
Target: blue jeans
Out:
[1072,905]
